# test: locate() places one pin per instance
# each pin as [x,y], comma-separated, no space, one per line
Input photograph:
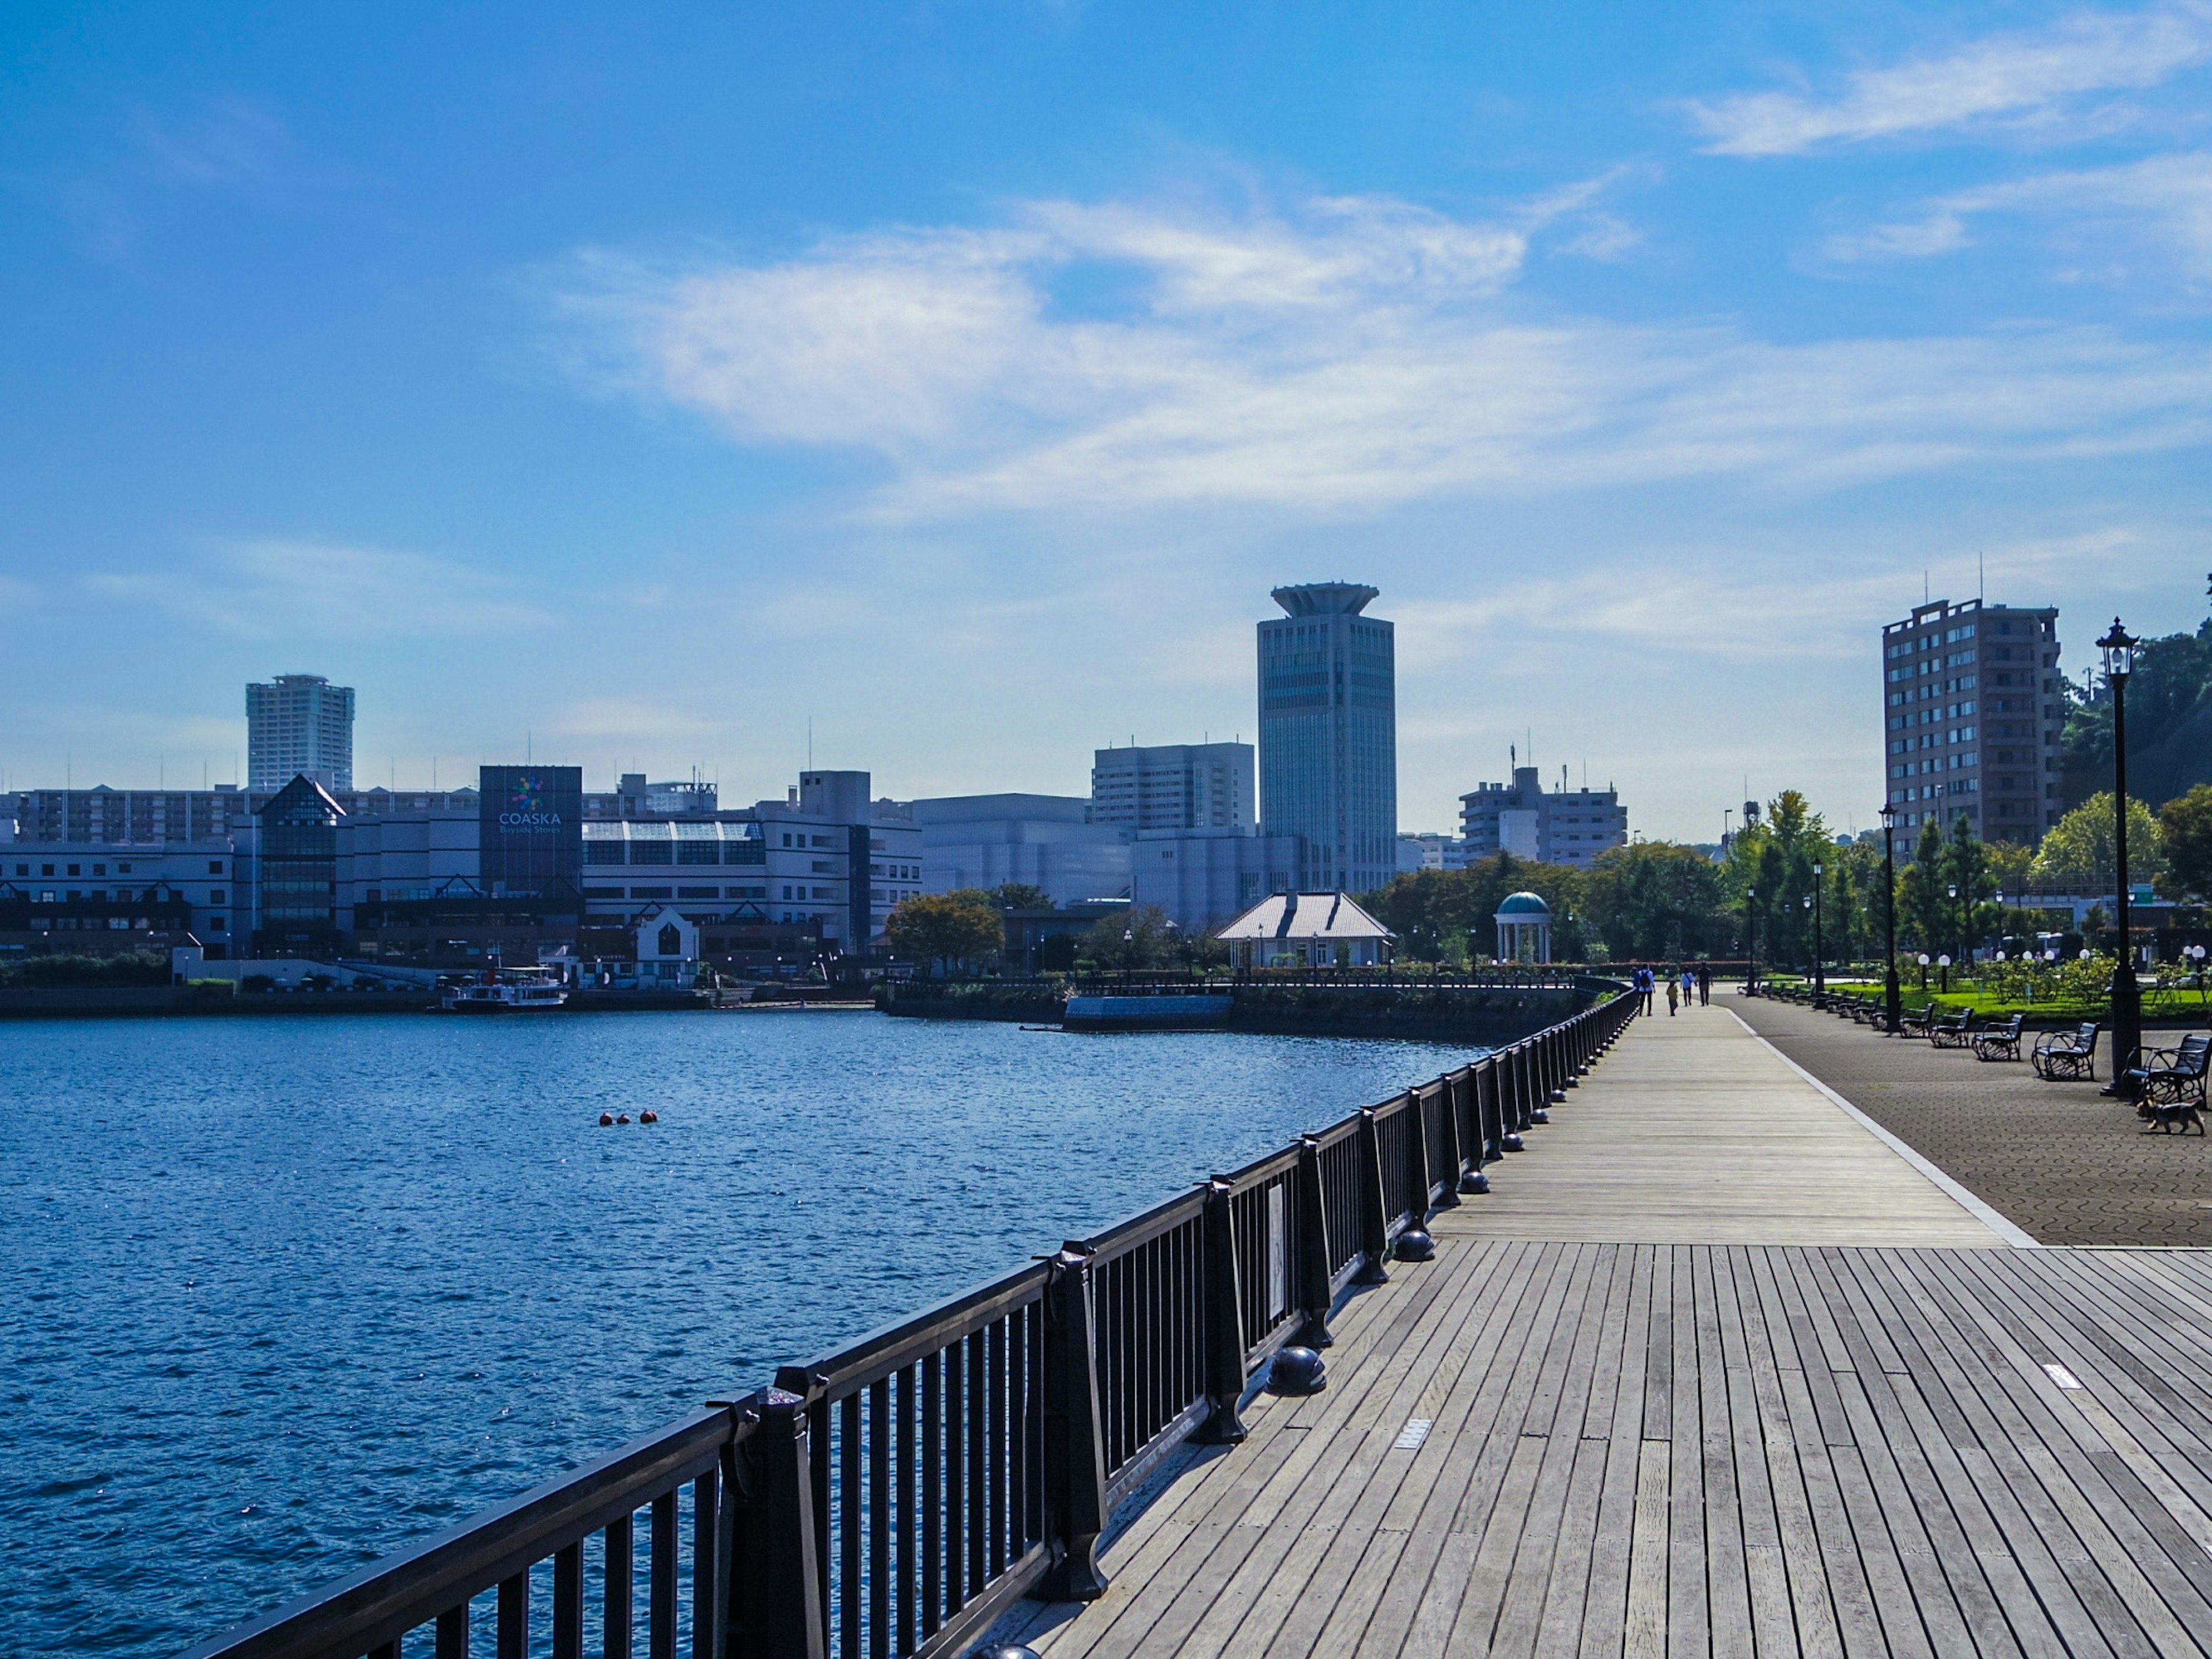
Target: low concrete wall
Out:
[1153,1013]
[1486,1015]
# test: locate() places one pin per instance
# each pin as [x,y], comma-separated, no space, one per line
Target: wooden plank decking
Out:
[1599,1444]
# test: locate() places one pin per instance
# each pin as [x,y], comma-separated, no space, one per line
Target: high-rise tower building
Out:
[1973,706]
[300,724]
[1328,735]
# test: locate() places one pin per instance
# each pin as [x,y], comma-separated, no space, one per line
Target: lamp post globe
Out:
[1750,939]
[1892,1007]
[1819,955]
[2118,650]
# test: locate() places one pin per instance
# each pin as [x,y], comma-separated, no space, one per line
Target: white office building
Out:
[1175,785]
[300,723]
[1545,826]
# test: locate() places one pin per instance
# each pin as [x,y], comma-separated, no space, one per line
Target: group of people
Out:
[1691,987]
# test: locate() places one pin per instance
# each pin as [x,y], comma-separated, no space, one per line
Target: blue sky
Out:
[640,385]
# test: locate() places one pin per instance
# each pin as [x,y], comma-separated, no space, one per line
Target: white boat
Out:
[506,991]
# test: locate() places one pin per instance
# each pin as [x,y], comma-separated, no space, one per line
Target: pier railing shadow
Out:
[890,1499]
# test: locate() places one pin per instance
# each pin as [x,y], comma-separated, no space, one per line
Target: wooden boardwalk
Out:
[1695,1132]
[1595,1443]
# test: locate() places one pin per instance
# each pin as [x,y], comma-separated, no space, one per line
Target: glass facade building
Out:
[530,830]
[1328,735]
[298,870]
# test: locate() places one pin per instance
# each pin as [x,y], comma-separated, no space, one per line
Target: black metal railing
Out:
[890,1499]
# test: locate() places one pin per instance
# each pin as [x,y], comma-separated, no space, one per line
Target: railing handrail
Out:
[369,1611]
[389,1596]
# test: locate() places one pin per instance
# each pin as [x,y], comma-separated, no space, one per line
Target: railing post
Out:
[1075,1447]
[1374,1206]
[1314,1296]
[1472,1158]
[1447,1140]
[1225,1321]
[1417,1154]
[775,1586]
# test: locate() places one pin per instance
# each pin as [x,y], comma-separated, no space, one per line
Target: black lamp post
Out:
[1958,933]
[2119,649]
[1892,1004]
[1819,962]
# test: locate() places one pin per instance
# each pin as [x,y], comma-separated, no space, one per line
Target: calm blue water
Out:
[277,1294]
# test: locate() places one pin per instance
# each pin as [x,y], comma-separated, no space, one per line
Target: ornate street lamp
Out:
[1890,993]
[1959,930]
[2118,647]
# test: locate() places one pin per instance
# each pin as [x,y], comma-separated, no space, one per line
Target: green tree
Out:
[2079,850]
[1920,902]
[1140,937]
[2185,825]
[1439,915]
[1022,896]
[1654,900]
[1972,915]
[961,929]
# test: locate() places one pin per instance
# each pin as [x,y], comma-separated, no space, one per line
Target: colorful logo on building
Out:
[526,808]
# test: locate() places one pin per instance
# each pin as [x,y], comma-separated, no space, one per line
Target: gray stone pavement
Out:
[2058,1159]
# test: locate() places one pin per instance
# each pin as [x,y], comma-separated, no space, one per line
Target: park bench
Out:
[2055,1057]
[1953,1033]
[2001,1042]
[2169,1085]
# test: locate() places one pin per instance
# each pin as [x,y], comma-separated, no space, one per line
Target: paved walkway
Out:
[1715,1368]
[1695,1132]
[2067,1164]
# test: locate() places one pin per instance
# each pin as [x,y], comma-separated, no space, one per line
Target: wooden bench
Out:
[2057,1058]
[2001,1042]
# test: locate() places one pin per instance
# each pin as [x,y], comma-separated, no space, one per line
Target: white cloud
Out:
[2029,78]
[2162,205]
[1344,359]
[276,589]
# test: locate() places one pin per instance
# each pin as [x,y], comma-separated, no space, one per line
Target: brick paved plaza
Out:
[2058,1159]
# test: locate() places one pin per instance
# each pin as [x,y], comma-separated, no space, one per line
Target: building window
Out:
[214,866]
[214,895]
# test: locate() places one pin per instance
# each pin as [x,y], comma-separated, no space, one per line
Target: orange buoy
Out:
[606,1120]
[648,1115]
[624,1118]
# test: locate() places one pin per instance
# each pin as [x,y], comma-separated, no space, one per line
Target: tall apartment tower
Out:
[1973,706]
[300,724]
[1173,786]
[1328,735]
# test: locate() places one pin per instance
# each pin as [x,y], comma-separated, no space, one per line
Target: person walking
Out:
[1689,988]
[1642,984]
[1674,996]
[1704,983]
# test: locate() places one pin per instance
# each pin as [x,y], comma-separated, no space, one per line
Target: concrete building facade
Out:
[1328,742]
[299,724]
[1974,704]
[1175,785]
[1205,878]
[1547,826]
[1041,840]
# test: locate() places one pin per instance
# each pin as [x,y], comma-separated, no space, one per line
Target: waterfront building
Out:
[75,898]
[1175,785]
[1545,826]
[299,724]
[1041,840]
[1974,704]
[296,875]
[142,818]
[1318,930]
[1328,734]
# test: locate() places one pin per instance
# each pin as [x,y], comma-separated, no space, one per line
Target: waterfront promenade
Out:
[1715,1368]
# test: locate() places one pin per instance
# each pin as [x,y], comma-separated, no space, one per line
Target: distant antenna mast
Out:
[1981,579]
